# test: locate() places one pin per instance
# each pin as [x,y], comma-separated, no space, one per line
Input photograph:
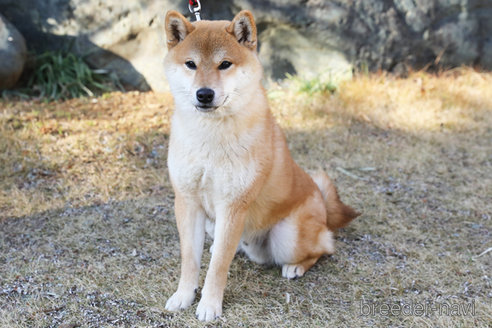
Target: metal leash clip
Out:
[195,7]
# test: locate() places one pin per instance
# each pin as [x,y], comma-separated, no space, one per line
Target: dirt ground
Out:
[88,237]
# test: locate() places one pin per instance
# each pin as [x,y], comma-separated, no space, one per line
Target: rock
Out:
[384,34]
[117,35]
[130,31]
[312,38]
[12,54]
[283,50]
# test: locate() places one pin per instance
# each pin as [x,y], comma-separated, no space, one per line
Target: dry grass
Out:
[87,232]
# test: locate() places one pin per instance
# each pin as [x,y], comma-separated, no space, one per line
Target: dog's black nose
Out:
[205,95]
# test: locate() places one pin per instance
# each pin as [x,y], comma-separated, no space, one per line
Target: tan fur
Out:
[231,169]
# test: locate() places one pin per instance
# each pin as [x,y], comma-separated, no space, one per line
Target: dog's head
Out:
[212,66]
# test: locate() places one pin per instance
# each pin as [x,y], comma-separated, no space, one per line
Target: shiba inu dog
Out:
[230,168]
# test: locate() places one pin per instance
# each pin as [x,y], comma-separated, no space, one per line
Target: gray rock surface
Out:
[12,54]
[311,38]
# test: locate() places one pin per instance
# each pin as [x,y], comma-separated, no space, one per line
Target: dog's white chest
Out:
[211,168]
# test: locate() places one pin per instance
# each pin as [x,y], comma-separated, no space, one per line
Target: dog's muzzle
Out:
[205,97]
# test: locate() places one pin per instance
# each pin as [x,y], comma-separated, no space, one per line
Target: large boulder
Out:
[121,36]
[12,54]
[388,34]
[311,38]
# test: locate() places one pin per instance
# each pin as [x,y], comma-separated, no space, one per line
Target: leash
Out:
[195,7]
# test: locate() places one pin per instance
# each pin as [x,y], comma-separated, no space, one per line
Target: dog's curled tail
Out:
[338,214]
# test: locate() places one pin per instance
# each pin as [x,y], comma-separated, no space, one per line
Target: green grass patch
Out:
[313,86]
[63,75]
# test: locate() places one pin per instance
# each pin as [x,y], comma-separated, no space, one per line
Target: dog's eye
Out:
[225,65]
[190,64]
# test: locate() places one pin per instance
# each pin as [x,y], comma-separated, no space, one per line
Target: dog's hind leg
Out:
[308,252]
[292,271]
[299,240]
[190,219]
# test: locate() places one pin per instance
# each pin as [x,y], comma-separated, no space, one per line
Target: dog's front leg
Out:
[229,227]
[190,219]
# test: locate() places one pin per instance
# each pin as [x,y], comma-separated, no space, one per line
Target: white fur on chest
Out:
[211,163]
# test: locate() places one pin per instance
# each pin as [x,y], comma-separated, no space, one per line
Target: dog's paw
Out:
[208,310]
[180,300]
[292,271]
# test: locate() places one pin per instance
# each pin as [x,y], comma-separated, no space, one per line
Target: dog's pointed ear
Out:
[177,28]
[243,27]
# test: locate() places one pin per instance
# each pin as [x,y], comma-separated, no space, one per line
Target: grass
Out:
[63,75]
[312,86]
[87,231]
